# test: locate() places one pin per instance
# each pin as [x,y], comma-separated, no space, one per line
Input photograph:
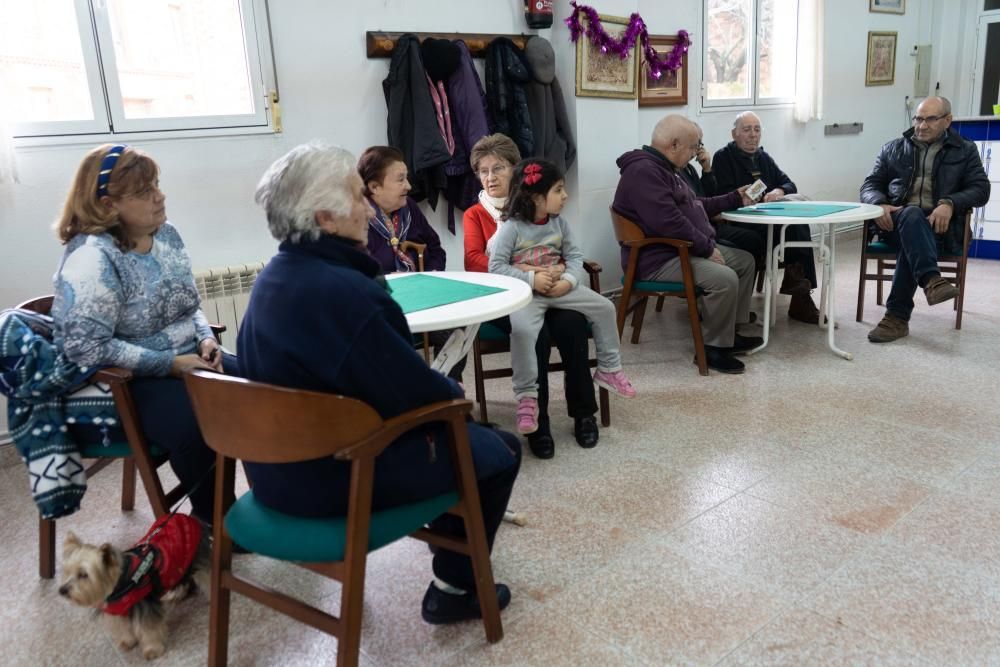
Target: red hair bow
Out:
[532,173]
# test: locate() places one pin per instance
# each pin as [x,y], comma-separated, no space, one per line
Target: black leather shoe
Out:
[585,430]
[439,607]
[541,443]
[721,359]
[745,343]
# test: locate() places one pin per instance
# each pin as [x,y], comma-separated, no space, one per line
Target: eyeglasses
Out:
[497,170]
[917,120]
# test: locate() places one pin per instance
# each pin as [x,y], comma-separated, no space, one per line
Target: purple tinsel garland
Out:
[621,47]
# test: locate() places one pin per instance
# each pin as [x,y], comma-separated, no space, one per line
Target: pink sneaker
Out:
[616,382]
[527,415]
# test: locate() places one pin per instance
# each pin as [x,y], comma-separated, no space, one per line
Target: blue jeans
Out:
[916,258]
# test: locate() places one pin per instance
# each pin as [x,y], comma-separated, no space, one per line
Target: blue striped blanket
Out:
[47,393]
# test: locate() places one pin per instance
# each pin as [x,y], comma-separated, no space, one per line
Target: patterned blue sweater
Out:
[126,309]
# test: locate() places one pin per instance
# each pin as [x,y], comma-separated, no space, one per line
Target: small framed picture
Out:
[887,6]
[672,86]
[881,67]
[605,74]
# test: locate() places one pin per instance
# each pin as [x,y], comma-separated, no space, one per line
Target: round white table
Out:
[466,316]
[826,249]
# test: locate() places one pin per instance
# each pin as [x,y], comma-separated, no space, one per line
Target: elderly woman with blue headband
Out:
[125,296]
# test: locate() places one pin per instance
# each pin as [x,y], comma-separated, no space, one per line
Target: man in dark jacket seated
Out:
[741,162]
[925,182]
[652,193]
[320,318]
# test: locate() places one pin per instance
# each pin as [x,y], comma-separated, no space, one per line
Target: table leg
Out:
[770,262]
[831,293]
[824,257]
[456,348]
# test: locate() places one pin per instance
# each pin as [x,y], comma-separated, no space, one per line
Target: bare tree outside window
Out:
[750,50]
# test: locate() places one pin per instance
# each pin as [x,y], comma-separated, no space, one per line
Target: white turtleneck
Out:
[493,206]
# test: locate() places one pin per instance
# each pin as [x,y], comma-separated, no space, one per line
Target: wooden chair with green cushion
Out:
[492,340]
[135,450]
[631,236]
[952,267]
[264,423]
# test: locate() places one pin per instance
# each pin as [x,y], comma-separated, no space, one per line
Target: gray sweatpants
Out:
[527,322]
[727,291]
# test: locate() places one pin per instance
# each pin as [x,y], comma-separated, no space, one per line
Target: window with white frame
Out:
[749,52]
[115,66]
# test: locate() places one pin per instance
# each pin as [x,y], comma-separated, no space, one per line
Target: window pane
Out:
[777,29]
[180,57]
[727,49]
[42,75]
[991,4]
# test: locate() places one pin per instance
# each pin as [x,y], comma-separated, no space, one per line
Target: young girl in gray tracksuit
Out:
[534,244]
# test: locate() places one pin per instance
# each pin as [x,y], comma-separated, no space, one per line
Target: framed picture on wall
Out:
[672,86]
[605,74]
[881,67]
[887,6]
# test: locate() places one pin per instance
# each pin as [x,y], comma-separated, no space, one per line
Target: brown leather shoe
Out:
[939,289]
[889,329]
[803,309]
[794,281]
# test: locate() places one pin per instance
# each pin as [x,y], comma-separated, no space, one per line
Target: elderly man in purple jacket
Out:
[652,193]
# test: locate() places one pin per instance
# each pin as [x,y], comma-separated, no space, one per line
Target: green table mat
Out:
[421,291]
[794,210]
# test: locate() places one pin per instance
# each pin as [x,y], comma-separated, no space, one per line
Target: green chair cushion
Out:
[489,332]
[116,449]
[880,248]
[265,531]
[657,286]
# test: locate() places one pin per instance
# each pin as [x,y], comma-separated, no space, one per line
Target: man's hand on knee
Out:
[940,218]
[717,257]
[885,221]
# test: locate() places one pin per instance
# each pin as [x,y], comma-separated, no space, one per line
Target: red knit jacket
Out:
[477,227]
[172,545]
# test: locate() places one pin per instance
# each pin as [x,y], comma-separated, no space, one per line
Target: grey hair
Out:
[741,115]
[672,127]
[309,178]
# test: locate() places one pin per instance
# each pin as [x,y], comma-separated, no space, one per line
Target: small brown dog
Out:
[136,588]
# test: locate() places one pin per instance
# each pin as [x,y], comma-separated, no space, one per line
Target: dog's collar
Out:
[138,570]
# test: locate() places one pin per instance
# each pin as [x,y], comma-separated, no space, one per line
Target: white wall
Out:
[331,91]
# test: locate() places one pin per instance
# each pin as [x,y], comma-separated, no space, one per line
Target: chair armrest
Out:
[657,240]
[217,329]
[392,429]
[113,375]
[593,269]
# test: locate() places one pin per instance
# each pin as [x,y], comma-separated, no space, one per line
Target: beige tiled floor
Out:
[812,511]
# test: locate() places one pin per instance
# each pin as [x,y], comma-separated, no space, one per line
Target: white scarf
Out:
[493,205]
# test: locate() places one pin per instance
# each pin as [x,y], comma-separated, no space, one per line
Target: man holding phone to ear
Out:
[925,182]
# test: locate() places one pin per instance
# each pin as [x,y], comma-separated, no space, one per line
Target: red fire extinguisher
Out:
[538,14]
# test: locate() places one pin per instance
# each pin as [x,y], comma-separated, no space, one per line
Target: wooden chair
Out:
[135,451]
[631,236]
[952,267]
[492,340]
[420,249]
[264,423]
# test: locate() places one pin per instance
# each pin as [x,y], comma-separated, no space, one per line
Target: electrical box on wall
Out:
[922,71]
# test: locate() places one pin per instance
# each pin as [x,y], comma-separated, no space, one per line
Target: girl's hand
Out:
[543,282]
[559,288]
[209,350]
[556,270]
[187,362]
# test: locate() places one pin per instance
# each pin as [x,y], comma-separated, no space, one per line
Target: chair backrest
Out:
[625,229]
[40,304]
[419,248]
[264,423]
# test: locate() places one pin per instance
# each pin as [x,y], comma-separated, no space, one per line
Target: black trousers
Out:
[744,241]
[569,330]
[167,419]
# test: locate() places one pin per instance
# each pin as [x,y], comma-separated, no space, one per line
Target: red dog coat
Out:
[157,563]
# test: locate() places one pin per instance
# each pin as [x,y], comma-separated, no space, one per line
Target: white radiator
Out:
[225,293]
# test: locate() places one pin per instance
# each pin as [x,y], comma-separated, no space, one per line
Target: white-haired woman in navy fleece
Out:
[356,344]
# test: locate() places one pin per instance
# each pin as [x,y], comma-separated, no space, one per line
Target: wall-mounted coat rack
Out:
[381,44]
